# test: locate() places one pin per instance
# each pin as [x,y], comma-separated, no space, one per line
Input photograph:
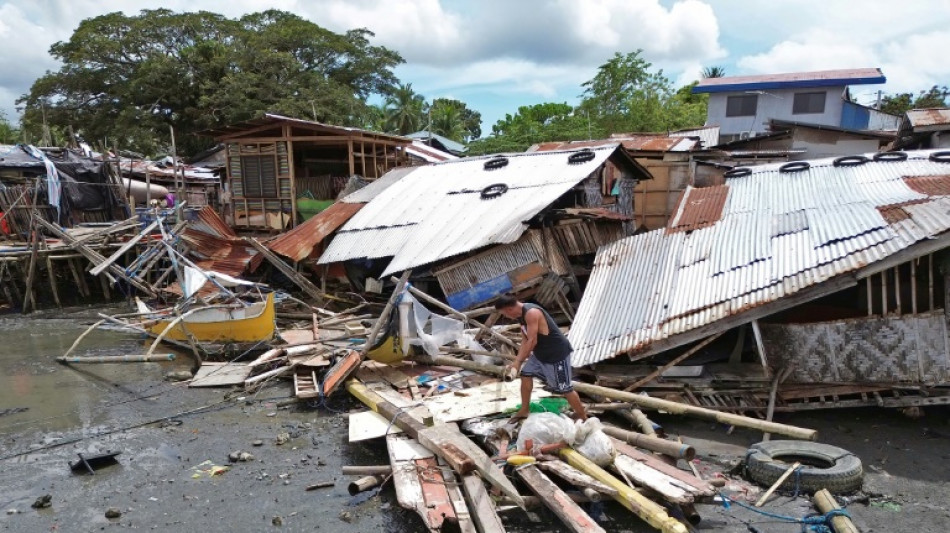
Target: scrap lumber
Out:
[645,476]
[696,485]
[98,269]
[481,506]
[826,503]
[654,444]
[144,331]
[285,269]
[97,258]
[678,408]
[384,316]
[648,510]
[682,357]
[576,477]
[420,483]
[445,440]
[371,470]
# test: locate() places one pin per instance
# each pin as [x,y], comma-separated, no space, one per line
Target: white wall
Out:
[774,104]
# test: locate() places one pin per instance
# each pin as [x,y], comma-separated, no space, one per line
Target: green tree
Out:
[455,117]
[534,124]
[900,103]
[405,110]
[128,78]
[9,134]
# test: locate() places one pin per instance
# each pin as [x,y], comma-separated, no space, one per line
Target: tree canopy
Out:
[900,103]
[624,96]
[127,78]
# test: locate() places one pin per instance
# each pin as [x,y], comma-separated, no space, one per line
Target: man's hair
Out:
[505,300]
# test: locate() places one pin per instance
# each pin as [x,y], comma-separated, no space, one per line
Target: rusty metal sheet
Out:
[698,208]
[298,243]
[921,118]
[929,185]
[217,246]
[630,142]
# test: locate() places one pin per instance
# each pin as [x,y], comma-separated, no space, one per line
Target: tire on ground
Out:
[823,466]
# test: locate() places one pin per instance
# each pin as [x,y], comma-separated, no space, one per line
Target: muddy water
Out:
[39,394]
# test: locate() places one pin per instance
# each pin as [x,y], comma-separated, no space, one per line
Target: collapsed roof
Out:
[771,236]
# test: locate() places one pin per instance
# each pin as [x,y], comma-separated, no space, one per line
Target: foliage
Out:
[625,96]
[453,119]
[713,72]
[8,132]
[405,110]
[900,103]
[128,78]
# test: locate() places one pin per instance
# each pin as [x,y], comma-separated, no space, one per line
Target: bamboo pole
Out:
[648,510]
[148,358]
[826,503]
[678,408]
[372,470]
[777,484]
[654,444]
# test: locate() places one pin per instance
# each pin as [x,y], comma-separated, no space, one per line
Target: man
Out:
[545,353]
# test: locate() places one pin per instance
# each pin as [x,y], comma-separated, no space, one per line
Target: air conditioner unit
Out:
[746,135]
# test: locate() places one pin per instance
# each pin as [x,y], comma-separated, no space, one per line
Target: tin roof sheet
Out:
[211,239]
[708,135]
[298,243]
[643,142]
[438,211]
[924,119]
[779,233]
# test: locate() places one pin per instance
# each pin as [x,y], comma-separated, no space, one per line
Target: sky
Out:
[497,55]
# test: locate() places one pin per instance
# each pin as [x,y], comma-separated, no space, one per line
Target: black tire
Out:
[737,172]
[496,163]
[823,466]
[583,156]
[890,156]
[794,166]
[494,191]
[850,161]
[940,157]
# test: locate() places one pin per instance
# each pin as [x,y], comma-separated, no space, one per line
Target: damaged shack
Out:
[475,228]
[838,265]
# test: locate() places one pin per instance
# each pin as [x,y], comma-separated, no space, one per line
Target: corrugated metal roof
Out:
[708,135]
[275,119]
[220,249]
[427,153]
[779,233]
[298,243]
[367,193]
[698,207]
[642,142]
[438,211]
[928,118]
[790,80]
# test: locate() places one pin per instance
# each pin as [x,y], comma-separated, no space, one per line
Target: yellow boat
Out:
[230,323]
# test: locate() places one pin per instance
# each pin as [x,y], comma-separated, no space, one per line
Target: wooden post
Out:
[884,310]
[930,279]
[897,289]
[760,347]
[656,373]
[913,286]
[826,503]
[654,444]
[29,296]
[52,280]
[870,296]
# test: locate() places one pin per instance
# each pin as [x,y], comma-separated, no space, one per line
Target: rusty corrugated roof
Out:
[636,142]
[217,246]
[698,207]
[929,185]
[923,118]
[297,244]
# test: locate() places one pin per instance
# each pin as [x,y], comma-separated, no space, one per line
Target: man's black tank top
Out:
[553,347]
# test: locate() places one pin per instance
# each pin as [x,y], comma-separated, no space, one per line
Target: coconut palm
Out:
[404,110]
[713,72]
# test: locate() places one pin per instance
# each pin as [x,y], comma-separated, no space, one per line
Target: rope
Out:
[813,523]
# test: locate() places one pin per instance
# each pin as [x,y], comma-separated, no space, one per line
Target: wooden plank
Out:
[220,375]
[481,506]
[760,347]
[558,501]
[677,360]
[576,477]
[303,283]
[403,456]
[367,425]
[101,267]
[643,475]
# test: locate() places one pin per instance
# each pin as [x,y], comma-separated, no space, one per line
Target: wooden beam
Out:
[558,501]
[656,373]
[98,269]
[481,506]
[760,347]
[287,270]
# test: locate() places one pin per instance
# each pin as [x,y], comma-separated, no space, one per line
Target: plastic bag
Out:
[546,428]
[591,442]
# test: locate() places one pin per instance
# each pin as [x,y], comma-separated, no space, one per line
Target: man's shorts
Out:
[556,376]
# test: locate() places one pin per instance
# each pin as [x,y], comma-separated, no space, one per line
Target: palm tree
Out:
[447,121]
[404,110]
[713,72]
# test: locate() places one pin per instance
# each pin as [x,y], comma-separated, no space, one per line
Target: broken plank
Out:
[576,477]
[558,501]
[220,375]
[409,460]
[480,505]
[98,269]
[645,476]
[298,279]
[699,487]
